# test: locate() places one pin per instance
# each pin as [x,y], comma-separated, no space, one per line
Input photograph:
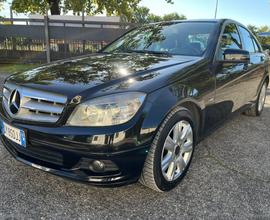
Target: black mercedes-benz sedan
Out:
[135,110]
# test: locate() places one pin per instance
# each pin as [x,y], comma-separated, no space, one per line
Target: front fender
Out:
[161,102]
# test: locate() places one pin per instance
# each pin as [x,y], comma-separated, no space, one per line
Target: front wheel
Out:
[171,152]
[257,109]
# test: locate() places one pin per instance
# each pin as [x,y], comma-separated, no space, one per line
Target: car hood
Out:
[75,76]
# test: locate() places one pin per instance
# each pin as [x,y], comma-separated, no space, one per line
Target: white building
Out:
[72,18]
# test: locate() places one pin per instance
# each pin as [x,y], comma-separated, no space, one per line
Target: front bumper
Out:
[69,152]
[75,165]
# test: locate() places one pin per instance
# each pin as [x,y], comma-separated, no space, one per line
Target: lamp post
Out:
[11,14]
[47,37]
[217,1]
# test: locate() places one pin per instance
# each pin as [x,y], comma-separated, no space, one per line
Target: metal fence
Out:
[39,40]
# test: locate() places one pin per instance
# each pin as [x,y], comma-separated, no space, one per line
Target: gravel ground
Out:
[228,179]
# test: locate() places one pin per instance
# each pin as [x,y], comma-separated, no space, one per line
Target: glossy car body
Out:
[211,90]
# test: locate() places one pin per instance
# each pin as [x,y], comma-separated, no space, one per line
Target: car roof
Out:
[220,21]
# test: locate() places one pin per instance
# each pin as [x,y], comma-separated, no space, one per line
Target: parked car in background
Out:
[135,110]
[266,49]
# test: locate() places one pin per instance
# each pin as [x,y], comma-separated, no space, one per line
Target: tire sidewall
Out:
[258,100]
[161,182]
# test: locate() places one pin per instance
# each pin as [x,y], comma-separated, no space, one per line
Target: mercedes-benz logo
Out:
[14,101]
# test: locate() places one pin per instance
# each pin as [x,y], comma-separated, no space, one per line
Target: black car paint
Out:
[204,85]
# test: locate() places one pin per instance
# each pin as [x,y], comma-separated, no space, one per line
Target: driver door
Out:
[229,76]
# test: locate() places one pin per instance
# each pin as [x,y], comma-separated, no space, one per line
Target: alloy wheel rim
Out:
[262,98]
[177,150]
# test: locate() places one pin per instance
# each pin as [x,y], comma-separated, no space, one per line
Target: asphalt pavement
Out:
[229,179]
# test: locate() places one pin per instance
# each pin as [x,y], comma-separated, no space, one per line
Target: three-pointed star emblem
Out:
[14,101]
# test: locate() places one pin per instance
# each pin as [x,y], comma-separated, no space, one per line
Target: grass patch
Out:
[13,68]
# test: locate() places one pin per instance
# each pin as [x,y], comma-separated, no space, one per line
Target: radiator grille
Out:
[35,105]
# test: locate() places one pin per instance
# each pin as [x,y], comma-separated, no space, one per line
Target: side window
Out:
[231,38]
[257,49]
[247,40]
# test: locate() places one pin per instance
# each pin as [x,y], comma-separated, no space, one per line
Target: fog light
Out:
[97,166]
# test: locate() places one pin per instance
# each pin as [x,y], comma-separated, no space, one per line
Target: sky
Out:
[255,12]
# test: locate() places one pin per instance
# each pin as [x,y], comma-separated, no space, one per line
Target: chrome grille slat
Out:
[6,98]
[44,96]
[10,86]
[7,88]
[29,116]
[6,93]
[36,105]
[43,107]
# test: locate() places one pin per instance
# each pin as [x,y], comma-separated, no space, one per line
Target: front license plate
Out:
[14,134]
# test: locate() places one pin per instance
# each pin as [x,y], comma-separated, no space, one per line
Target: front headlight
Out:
[107,110]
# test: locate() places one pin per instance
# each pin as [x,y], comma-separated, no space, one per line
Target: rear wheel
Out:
[171,152]
[257,109]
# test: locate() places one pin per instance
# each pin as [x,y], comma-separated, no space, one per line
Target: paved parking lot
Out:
[229,178]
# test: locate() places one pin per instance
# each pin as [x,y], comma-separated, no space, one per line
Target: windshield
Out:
[182,38]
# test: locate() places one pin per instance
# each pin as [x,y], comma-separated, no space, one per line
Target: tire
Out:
[163,150]
[257,109]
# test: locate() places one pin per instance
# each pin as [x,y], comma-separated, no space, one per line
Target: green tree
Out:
[34,6]
[154,18]
[253,29]
[264,40]
[91,7]
[1,4]
[173,16]
[257,30]
[141,15]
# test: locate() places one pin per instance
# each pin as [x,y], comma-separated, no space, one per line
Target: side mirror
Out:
[236,56]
